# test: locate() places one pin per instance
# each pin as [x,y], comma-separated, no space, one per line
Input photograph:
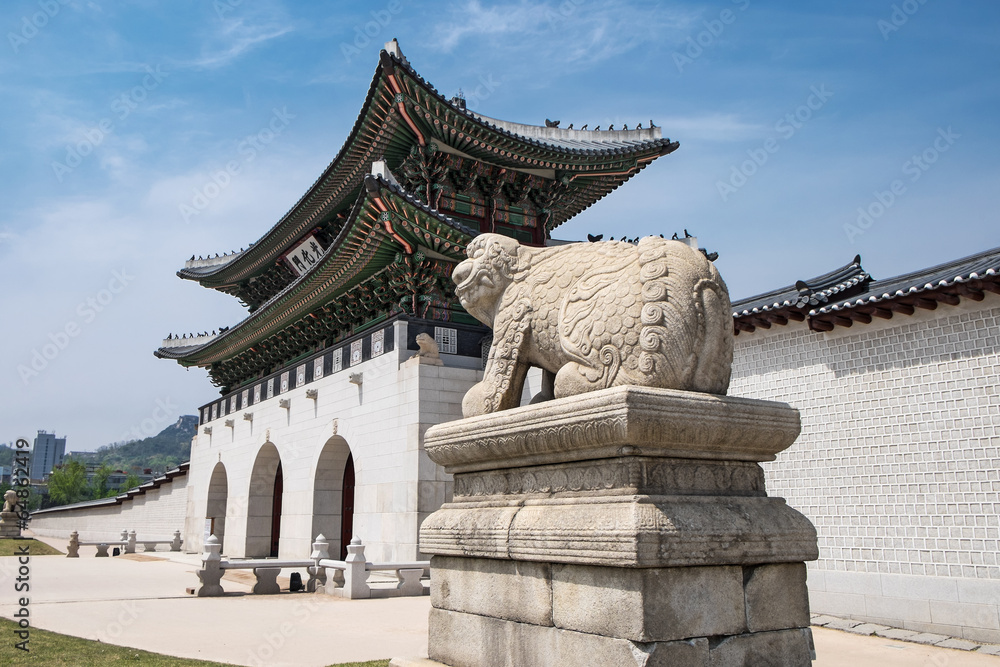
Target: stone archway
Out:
[218,501]
[264,503]
[333,513]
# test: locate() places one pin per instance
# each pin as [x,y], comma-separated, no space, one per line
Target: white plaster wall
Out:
[382,421]
[155,514]
[898,464]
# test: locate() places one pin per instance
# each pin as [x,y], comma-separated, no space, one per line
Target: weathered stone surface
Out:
[776,597]
[630,421]
[510,590]
[959,644]
[891,633]
[649,604]
[467,640]
[927,638]
[618,476]
[624,531]
[783,648]
[868,629]
[595,315]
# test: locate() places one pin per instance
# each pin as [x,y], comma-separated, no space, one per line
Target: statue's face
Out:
[481,279]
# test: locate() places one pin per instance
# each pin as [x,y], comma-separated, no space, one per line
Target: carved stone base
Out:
[627,526]
[9,525]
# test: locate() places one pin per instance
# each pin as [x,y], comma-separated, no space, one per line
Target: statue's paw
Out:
[474,403]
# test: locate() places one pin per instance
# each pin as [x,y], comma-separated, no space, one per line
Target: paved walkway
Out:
[140,601]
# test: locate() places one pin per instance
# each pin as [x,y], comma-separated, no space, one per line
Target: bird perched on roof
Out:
[675,237]
[611,127]
[597,129]
[551,123]
[624,126]
[594,239]
[584,126]
[570,126]
[651,126]
[686,235]
[639,126]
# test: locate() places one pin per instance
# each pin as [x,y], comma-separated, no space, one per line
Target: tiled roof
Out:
[805,293]
[985,265]
[848,294]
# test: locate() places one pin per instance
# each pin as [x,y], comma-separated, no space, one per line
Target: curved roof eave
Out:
[267,248]
[374,186]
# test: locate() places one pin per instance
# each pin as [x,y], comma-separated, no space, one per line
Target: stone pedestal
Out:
[628,526]
[9,526]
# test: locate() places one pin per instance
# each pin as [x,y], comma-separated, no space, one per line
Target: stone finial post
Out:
[211,571]
[317,574]
[356,574]
[73,548]
[175,544]
[130,544]
[124,535]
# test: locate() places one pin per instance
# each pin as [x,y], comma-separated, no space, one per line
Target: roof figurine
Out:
[368,241]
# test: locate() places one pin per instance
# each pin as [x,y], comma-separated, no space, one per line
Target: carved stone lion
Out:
[10,501]
[428,347]
[595,315]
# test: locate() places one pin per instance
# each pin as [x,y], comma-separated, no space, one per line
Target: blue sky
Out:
[791,117]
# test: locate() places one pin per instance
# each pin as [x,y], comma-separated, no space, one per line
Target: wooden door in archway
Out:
[347,507]
[279,484]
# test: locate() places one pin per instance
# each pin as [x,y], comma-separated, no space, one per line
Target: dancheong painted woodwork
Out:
[379,232]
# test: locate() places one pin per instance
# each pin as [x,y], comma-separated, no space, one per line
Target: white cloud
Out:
[573,31]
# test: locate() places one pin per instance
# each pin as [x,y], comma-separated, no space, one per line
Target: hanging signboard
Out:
[304,256]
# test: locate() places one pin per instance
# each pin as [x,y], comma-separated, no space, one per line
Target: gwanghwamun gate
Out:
[319,426]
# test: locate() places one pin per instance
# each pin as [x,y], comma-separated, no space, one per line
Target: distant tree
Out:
[68,484]
[99,484]
[131,482]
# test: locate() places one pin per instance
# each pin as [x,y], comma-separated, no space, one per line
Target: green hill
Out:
[161,452]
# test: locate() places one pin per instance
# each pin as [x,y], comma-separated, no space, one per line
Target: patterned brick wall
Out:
[898,464]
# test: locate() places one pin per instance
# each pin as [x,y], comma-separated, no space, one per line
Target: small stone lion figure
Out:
[595,315]
[10,501]
[428,347]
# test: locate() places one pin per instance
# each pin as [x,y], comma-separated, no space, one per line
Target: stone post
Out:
[211,573]
[317,574]
[73,548]
[130,545]
[626,526]
[175,544]
[356,574]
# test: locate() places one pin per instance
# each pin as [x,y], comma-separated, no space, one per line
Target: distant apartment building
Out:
[47,453]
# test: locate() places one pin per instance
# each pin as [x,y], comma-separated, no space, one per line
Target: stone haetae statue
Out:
[428,347]
[595,315]
[9,501]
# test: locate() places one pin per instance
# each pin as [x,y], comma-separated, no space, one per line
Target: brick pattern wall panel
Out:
[898,460]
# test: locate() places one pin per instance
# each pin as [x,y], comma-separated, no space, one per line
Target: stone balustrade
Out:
[343,578]
[126,542]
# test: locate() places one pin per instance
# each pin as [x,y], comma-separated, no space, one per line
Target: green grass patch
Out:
[11,546]
[52,648]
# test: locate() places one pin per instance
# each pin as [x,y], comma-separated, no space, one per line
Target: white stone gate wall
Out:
[155,514]
[898,464]
[382,420]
